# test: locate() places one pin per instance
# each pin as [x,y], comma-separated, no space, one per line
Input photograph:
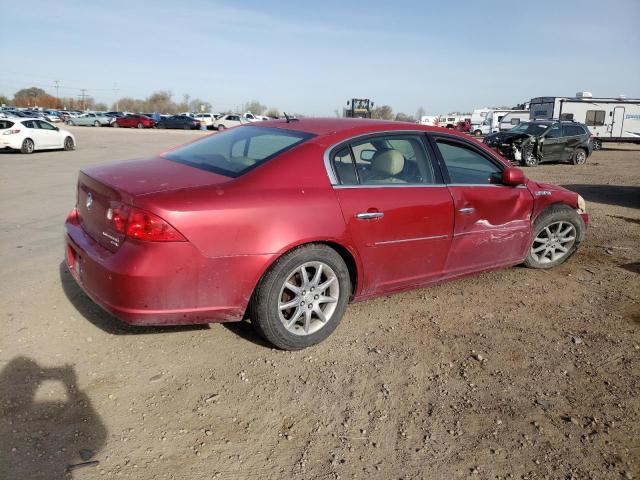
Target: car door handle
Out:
[467,211]
[369,215]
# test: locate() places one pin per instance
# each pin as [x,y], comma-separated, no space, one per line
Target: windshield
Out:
[531,128]
[238,150]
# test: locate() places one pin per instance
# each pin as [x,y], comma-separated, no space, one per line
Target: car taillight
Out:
[142,225]
[147,226]
[11,132]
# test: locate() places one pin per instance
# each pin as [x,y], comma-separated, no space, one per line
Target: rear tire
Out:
[96,123]
[69,144]
[579,157]
[115,125]
[557,233]
[221,128]
[27,146]
[70,122]
[477,133]
[311,317]
[597,144]
[140,125]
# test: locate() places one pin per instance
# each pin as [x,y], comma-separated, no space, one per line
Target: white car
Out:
[31,134]
[205,119]
[230,120]
[254,118]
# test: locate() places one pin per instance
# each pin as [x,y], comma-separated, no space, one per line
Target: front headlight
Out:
[582,205]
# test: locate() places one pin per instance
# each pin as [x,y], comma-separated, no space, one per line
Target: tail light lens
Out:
[11,132]
[142,225]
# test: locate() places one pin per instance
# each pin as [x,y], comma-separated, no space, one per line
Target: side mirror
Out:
[513,176]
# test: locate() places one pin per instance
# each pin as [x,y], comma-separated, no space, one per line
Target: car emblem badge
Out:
[89,201]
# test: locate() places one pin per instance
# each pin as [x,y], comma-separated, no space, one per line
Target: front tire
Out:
[301,299]
[477,133]
[529,158]
[557,233]
[579,157]
[140,125]
[69,144]
[27,146]
[96,123]
[221,128]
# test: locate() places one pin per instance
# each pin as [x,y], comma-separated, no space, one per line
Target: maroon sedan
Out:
[135,121]
[287,222]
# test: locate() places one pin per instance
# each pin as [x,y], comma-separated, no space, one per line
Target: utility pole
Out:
[57,82]
[82,96]
[115,92]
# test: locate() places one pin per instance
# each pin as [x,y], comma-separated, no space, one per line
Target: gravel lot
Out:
[512,374]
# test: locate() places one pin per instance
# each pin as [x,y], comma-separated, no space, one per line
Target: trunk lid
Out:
[103,189]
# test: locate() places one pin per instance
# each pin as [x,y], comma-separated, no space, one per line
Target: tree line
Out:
[162,102]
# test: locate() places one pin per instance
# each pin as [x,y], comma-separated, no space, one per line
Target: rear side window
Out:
[595,118]
[5,124]
[465,165]
[238,150]
[392,160]
[573,130]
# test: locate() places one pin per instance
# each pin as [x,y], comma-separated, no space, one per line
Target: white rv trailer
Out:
[513,119]
[608,119]
[478,116]
[431,120]
[491,123]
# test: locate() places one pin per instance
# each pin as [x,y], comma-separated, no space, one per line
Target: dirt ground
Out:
[513,374]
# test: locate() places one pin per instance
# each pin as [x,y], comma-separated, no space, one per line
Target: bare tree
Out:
[255,107]
[273,112]
[385,112]
[420,112]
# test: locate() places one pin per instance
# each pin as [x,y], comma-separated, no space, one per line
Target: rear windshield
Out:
[238,150]
[5,124]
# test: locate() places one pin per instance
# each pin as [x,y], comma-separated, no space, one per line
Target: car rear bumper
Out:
[162,283]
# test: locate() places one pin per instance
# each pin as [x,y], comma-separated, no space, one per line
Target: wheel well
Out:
[348,260]
[342,251]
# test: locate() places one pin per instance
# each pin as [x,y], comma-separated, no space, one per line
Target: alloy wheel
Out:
[308,298]
[553,242]
[581,157]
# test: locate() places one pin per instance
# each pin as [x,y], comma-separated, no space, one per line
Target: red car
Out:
[286,222]
[135,121]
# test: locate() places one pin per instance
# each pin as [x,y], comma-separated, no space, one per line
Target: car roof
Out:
[355,126]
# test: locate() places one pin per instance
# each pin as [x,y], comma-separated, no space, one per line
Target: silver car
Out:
[91,120]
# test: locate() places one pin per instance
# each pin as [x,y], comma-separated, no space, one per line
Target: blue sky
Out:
[311,56]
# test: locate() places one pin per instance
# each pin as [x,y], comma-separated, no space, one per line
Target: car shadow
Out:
[245,330]
[618,195]
[48,427]
[104,320]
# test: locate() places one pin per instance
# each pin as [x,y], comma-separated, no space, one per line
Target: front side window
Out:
[392,160]
[465,165]
[595,118]
[30,124]
[238,150]
[554,132]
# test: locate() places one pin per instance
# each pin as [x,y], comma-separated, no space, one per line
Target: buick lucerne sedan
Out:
[286,222]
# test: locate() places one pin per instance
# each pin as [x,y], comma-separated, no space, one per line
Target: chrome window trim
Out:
[336,184]
[391,185]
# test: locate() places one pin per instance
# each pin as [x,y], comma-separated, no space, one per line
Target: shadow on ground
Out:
[619,195]
[48,428]
[105,321]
